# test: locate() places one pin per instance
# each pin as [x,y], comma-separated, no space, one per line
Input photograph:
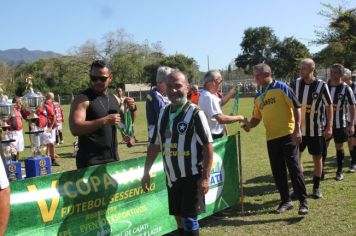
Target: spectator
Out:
[127,116]
[157,99]
[59,121]
[16,127]
[47,121]
[194,94]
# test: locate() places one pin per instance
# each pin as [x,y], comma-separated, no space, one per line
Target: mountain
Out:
[17,56]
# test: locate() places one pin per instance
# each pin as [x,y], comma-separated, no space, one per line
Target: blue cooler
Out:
[37,166]
[13,170]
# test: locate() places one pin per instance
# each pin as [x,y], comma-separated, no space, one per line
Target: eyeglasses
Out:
[96,78]
[218,81]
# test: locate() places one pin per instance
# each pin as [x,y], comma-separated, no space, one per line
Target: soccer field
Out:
[335,214]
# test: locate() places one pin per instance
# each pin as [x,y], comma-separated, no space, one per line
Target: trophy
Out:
[32,102]
[6,110]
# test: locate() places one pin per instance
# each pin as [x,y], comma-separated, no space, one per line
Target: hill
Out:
[17,56]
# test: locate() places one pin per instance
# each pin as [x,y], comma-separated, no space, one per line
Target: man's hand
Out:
[297,136]
[112,119]
[350,130]
[246,126]
[327,133]
[131,103]
[240,118]
[145,182]
[203,186]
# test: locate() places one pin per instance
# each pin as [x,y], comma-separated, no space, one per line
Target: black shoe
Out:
[55,163]
[286,206]
[293,196]
[303,208]
[339,176]
[352,168]
[316,193]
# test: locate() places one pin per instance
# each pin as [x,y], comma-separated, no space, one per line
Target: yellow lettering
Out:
[47,214]
[95,181]
[67,190]
[80,183]
[108,181]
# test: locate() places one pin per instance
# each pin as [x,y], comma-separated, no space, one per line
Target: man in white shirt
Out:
[211,104]
[4,199]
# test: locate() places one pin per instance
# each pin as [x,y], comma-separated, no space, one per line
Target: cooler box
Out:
[37,166]
[13,170]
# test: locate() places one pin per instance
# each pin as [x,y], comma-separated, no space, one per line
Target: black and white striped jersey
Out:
[342,97]
[313,99]
[353,88]
[182,143]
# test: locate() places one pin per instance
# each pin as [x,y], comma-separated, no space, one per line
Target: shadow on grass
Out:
[66,155]
[212,222]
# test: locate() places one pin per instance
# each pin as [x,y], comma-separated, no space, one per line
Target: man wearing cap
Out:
[157,99]
[211,104]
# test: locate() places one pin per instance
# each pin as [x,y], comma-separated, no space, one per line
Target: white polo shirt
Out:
[211,105]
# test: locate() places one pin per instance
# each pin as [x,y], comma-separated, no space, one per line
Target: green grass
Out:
[335,214]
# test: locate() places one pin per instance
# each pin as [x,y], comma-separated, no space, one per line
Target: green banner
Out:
[108,199]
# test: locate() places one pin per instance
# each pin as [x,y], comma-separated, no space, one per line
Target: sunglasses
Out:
[96,78]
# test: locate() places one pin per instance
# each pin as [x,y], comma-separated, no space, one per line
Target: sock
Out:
[340,155]
[353,156]
[61,135]
[316,182]
[57,139]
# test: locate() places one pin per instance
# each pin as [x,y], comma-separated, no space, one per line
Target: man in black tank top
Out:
[92,118]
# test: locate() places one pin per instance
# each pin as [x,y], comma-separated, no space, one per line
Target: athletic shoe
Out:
[352,168]
[55,163]
[284,206]
[62,142]
[303,208]
[339,176]
[316,193]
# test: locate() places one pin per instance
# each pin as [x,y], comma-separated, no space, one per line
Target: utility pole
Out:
[208,63]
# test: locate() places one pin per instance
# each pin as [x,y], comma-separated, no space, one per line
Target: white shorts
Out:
[48,137]
[19,144]
[59,126]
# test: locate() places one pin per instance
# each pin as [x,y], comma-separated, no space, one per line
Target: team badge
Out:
[315,95]
[340,96]
[182,127]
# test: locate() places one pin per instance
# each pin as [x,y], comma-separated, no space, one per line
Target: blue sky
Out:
[196,28]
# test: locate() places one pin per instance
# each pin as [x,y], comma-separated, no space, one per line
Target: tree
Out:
[287,56]
[185,64]
[257,47]
[339,36]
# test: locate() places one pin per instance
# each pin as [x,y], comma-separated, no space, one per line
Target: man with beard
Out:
[314,96]
[93,116]
[183,136]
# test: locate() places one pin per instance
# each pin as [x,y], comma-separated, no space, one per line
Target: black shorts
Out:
[340,135]
[183,197]
[315,144]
